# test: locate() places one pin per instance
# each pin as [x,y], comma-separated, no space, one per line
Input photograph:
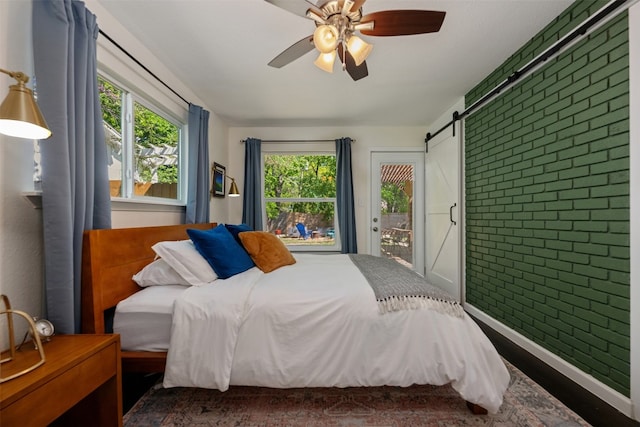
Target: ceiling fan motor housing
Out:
[334,7]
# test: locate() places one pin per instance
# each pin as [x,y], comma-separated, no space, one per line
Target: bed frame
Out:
[109,259]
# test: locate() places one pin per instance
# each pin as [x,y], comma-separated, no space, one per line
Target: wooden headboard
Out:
[110,258]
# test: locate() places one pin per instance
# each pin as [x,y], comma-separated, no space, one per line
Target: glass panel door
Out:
[396,212]
[394,230]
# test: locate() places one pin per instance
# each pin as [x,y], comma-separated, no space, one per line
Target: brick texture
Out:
[547,198]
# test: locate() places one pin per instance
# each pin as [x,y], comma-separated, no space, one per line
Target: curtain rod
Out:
[553,50]
[116,44]
[293,141]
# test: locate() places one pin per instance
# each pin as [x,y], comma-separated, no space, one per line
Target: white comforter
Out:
[316,324]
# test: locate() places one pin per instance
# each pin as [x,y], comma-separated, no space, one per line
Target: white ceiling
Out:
[220,50]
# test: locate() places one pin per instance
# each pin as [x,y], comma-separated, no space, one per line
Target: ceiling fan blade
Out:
[356,72]
[297,7]
[357,4]
[403,22]
[293,52]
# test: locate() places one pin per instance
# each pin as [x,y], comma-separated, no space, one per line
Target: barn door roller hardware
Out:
[548,53]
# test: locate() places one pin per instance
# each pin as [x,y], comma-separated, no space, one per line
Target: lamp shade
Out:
[325,61]
[325,38]
[233,189]
[20,115]
[359,49]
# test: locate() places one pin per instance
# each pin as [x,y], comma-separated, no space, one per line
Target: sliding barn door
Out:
[443,222]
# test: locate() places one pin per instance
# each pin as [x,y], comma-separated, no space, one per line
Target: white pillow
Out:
[158,273]
[185,259]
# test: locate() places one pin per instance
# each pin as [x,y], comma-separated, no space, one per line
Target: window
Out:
[144,146]
[300,199]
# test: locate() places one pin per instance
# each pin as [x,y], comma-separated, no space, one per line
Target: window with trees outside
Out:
[300,200]
[144,146]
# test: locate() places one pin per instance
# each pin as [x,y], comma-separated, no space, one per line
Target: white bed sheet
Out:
[143,320]
[316,324]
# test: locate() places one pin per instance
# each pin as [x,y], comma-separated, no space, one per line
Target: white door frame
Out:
[413,155]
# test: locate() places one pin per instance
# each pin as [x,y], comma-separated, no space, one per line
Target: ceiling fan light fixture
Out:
[336,23]
[370,25]
[325,61]
[314,16]
[325,38]
[346,7]
[359,49]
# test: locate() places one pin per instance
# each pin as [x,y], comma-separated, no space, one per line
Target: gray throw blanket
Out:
[398,288]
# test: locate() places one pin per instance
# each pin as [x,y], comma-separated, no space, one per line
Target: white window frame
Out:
[131,96]
[336,247]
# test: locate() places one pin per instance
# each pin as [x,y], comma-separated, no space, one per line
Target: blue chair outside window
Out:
[304,234]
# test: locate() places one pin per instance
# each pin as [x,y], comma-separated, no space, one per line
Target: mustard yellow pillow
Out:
[266,250]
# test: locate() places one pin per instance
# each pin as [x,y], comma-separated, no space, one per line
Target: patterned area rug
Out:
[525,404]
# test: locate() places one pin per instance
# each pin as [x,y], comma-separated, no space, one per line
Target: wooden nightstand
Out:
[79,384]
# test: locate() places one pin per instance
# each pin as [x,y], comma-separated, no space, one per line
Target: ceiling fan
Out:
[338,21]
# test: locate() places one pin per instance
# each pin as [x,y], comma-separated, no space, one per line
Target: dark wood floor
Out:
[134,386]
[591,408]
[584,403]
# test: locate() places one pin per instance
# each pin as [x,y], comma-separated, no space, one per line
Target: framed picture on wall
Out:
[217,181]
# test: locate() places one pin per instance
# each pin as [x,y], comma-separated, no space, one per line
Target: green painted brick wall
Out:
[547,198]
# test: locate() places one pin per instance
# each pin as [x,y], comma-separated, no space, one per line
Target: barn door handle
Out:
[451,213]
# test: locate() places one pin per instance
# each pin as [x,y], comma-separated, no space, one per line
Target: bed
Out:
[313,322]
[110,258]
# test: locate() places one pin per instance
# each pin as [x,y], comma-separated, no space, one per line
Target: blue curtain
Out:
[252,194]
[75,182]
[198,170]
[344,196]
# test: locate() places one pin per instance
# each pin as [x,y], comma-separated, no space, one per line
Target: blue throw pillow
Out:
[236,229]
[222,252]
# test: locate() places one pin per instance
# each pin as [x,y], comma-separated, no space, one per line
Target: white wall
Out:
[366,138]
[20,224]
[219,152]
